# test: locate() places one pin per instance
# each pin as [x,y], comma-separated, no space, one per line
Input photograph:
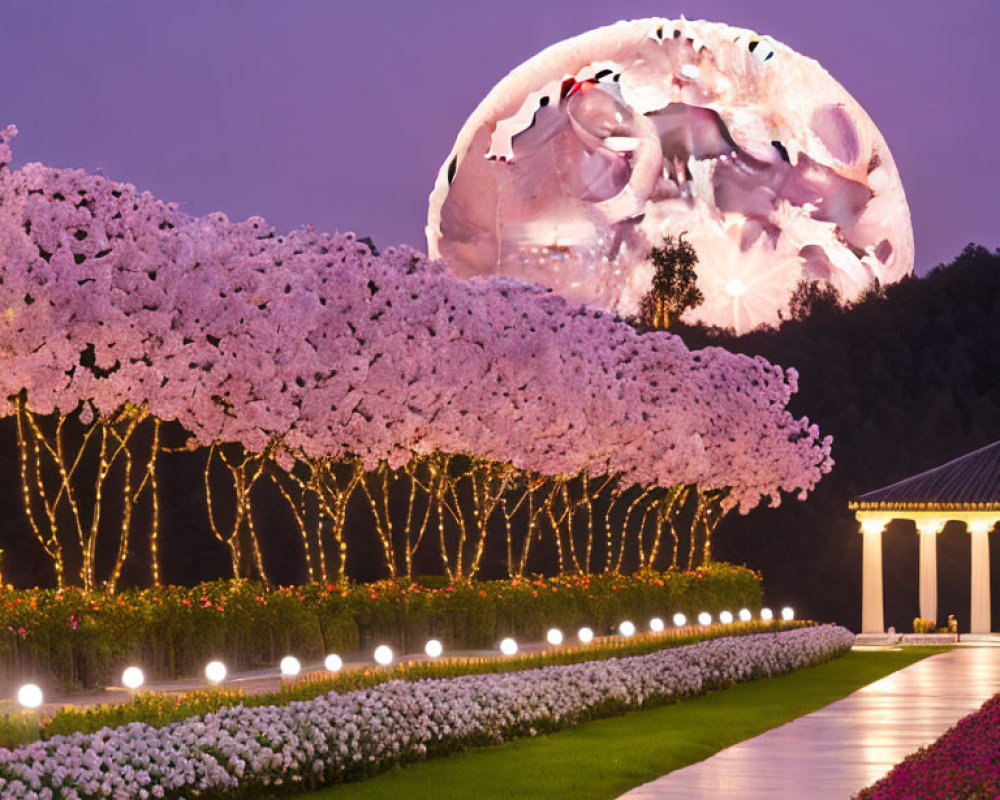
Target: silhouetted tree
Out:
[813,297]
[874,292]
[674,287]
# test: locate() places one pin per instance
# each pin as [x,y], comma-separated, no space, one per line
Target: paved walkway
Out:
[254,681]
[836,751]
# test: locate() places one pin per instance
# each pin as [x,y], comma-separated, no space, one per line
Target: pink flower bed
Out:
[964,764]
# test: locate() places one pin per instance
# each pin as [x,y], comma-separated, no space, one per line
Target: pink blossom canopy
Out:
[312,341]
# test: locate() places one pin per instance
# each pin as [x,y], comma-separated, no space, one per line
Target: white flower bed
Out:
[336,737]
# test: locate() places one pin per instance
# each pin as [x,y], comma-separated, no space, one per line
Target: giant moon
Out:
[586,156]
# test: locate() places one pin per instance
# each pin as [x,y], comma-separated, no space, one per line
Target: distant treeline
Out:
[905,380]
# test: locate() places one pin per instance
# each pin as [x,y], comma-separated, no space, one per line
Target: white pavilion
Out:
[966,490]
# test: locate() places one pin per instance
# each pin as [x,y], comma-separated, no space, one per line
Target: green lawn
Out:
[601,760]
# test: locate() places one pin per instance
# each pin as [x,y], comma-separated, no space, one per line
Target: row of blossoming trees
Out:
[448,412]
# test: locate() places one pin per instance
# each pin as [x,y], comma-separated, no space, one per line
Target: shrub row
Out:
[240,751]
[74,639]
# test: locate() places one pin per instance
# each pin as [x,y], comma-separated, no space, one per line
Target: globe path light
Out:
[745,615]
[333,663]
[704,618]
[215,671]
[680,619]
[726,617]
[554,637]
[290,666]
[766,614]
[433,648]
[508,647]
[132,678]
[383,655]
[30,695]
[656,625]
[626,629]
[585,635]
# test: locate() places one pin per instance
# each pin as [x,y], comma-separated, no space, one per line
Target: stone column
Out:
[979,616]
[872,618]
[928,531]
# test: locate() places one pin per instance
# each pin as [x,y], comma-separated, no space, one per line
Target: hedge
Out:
[72,639]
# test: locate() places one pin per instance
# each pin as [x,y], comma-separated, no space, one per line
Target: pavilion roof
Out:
[969,482]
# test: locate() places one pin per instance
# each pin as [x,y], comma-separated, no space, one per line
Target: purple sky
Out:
[340,114]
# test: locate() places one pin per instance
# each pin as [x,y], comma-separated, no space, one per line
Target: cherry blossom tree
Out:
[288,355]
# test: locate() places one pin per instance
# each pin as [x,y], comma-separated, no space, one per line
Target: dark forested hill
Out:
[903,382]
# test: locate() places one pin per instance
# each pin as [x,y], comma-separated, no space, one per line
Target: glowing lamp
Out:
[766,614]
[554,636]
[735,288]
[745,615]
[656,625]
[508,647]
[290,666]
[787,614]
[215,671]
[433,648]
[726,618]
[680,619]
[333,663]
[874,524]
[626,629]
[383,655]
[132,678]
[30,695]
[585,635]
[704,618]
